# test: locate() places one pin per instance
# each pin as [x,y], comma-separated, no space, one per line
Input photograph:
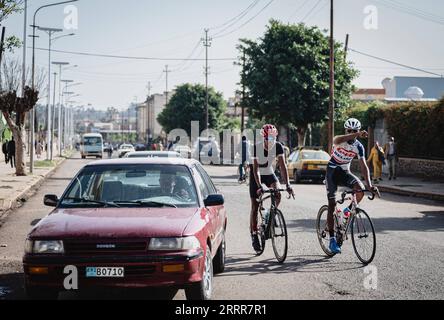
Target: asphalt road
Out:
[408,263]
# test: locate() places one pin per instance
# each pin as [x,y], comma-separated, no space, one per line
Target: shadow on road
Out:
[12,288]
[432,221]
[244,264]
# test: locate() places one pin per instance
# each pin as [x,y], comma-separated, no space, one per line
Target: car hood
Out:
[114,223]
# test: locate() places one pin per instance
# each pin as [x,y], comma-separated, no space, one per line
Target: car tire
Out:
[203,289]
[41,293]
[219,259]
[296,177]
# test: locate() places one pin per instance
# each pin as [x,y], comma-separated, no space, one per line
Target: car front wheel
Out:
[219,259]
[203,289]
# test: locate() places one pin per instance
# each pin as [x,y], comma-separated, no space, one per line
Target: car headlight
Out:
[44,247]
[188,243]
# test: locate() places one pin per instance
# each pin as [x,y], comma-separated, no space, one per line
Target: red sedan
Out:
[130,223]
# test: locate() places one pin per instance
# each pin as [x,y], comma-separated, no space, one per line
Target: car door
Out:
[218,213]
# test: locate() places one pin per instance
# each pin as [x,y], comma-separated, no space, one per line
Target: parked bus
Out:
[91,145]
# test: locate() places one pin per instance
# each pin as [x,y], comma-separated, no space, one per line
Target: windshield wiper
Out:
[148,203]
[103,203]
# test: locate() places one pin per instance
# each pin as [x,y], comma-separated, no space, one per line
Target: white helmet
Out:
[353,124]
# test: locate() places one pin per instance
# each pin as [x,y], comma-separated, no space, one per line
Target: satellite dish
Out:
[414,93]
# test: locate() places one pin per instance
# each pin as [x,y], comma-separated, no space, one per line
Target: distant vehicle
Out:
[153,154]
[183,150]
[140,147]
[91,145]
[131,223]
[308,164]
[124,149]
[206,150]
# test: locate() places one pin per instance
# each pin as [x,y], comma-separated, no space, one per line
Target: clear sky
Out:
[409,32]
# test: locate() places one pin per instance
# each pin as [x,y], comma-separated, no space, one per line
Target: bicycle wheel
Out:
[363,237]
[261,233]
[322,231]
[279,236]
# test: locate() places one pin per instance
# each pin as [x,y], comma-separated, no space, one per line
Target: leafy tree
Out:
[7,8]
[188,104]
[286,74]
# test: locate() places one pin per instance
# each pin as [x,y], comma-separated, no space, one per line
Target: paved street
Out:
[409,258]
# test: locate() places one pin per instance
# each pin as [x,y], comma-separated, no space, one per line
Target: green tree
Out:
[286,74]
[7,8]
[188,104]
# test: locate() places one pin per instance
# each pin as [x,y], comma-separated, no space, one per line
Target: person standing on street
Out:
[39,150]
[11,152]
[244,152]
[5,151]
[391,154]
[377,159]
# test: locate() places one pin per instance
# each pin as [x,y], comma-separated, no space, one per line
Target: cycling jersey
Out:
[344,153]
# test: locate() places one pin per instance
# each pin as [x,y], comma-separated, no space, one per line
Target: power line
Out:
[312,9]
[395,63]
[133,57]
[298,9]
[413,11]
[245,23]
[238,17]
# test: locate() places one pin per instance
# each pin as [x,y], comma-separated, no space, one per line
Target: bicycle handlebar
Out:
[353,192]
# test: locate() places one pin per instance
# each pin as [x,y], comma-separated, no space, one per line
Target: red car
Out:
[130,223]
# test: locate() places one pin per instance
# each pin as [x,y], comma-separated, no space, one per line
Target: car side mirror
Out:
[51,200]
[214,200]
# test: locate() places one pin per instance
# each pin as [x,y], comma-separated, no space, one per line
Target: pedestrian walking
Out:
[391,154]
[39,150]
[11,152]
[377,159]
[5,151]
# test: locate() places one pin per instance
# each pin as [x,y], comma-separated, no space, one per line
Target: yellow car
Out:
[308,164]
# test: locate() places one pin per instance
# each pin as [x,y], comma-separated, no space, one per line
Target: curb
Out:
[424,195]
[27,193]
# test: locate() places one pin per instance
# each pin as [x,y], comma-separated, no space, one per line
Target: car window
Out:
[206,178]
[131,185]
[295,156]
[201,185]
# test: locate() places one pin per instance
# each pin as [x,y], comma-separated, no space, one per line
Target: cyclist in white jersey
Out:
[345,149]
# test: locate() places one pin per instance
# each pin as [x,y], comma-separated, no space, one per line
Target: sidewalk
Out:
[16,190]
[414,187]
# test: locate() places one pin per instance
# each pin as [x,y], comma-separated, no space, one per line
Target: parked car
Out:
[153,154]
[128,223]
[183,150]
[308,164]
[124,149]
[140,147]
[207,150]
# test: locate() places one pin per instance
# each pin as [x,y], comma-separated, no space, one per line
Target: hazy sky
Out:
[172,29]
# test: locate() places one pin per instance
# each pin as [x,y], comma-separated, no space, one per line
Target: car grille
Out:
[101,247]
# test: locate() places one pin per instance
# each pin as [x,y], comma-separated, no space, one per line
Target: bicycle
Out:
[272,225]
[246,177]
[360,226]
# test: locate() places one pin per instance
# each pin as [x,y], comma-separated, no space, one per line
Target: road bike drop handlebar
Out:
[266,190]
[371,198]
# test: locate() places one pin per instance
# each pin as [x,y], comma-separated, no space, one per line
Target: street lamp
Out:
[50,32]
[59,127]
[33,114]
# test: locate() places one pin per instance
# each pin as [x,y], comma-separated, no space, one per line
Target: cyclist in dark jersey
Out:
[345,149]
[264,153]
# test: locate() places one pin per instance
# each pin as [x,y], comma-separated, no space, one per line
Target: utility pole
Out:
[166,81]
[243,93]
[331,109]
[53,114]
[147,113]
[207,44]
[346,46]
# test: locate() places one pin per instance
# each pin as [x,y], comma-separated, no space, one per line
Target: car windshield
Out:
[315,155]
[145,185]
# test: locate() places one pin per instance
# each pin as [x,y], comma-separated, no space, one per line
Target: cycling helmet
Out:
[353,124]
[269,130]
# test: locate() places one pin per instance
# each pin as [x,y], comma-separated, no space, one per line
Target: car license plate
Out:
[312,167]
[105,272]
